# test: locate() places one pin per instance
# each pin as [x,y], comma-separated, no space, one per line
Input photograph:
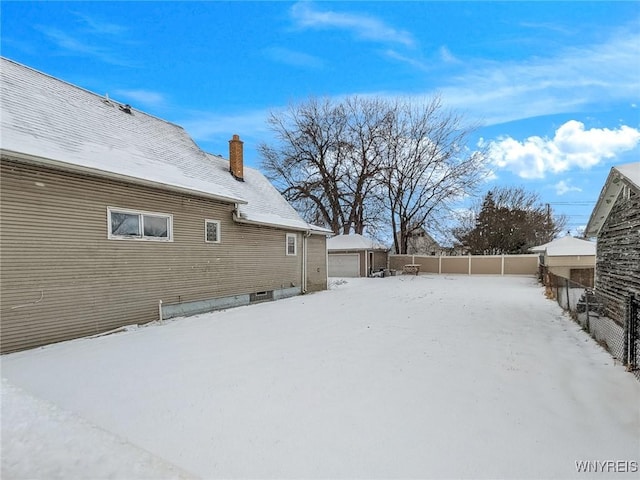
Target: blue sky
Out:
[554,85]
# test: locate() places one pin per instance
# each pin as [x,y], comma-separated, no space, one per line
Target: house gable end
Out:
[620,179]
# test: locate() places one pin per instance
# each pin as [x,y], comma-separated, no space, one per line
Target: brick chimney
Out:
[236,164]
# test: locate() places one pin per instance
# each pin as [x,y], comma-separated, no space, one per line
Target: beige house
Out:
[419,242]
[355,256]
[570,258]
[112,217]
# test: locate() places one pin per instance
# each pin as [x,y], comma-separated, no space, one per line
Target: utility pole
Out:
[549,221]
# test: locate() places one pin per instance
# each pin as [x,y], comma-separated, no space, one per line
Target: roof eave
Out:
[282,226]
[608,195]
[47,162]
[362,249]
[320,232]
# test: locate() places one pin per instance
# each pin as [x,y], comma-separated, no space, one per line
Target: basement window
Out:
[137,225]
[261,296]
[212,231]
[292,240]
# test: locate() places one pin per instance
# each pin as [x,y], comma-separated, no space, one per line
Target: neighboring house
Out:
[615,221]
[111,217]
[570,258]
[355,256]
[419,242]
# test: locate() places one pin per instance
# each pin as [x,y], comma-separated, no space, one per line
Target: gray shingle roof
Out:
[48,120]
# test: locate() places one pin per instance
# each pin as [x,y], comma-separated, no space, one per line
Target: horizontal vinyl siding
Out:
[571,261]
[62,278]
[379,260]
[316,263]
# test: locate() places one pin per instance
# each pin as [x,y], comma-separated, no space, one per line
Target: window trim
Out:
[218,231]
[295,244]
[141,214]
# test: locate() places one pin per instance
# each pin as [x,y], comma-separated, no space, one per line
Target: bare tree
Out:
[427,166]
[326,161]
[306,166]
[364,163]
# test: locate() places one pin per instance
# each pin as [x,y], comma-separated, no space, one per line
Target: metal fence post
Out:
[631,320]
[566,282]
[625,338]
[586,303]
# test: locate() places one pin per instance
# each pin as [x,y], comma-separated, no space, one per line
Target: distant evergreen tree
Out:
[510,221]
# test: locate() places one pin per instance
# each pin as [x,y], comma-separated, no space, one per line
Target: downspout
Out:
[305,259]
[366,263]
[326,265]
[235,215]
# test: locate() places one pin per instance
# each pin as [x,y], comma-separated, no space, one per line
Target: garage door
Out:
[344,265]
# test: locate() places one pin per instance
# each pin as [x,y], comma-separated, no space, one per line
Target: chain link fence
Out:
[590,309]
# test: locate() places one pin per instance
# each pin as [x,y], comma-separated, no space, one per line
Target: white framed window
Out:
[212,231]
[124,224]
[292,244]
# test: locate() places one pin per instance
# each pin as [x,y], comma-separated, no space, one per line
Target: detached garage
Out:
[355,256]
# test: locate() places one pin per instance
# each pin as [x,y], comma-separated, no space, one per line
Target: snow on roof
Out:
[57,123]
[630,173]
[566,246]
[49,119]
[264,204]
[539,248]
[354,241]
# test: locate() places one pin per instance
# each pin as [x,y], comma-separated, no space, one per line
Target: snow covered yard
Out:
[421,377]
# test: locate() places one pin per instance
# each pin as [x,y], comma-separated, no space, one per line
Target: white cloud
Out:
[362,26]
[563,187]
[144,97]
[98,26]
[552,27]
[291,57]
[447,56]
[491,176]
[572,146]
[68,42]
[569,80]
[87,42]
[205,126]
[409,60]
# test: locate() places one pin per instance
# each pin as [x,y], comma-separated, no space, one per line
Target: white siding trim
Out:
[295,244]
